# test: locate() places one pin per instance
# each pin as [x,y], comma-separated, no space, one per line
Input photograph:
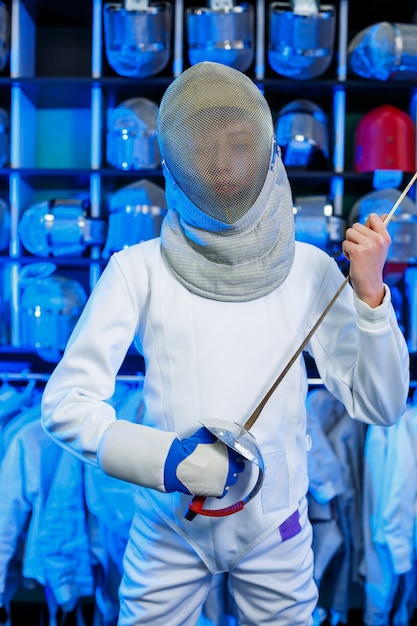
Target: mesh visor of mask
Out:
[215,131]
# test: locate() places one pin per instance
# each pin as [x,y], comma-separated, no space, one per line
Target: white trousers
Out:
[165,583]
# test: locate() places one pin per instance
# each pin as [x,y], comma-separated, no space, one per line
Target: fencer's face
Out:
[226,158]
[224,165]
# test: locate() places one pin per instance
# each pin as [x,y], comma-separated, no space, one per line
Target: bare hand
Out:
[366,247]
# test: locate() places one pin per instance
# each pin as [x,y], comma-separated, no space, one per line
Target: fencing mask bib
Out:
[229,231]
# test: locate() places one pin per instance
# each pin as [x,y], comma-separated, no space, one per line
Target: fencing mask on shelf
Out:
[385,140]
[229,231]
[301,38]
[60,227]
[385,51]
[50,308]
[131,135]
[222,32]
[302,129]
[403,226]
[135,214]
[316,223]
[137,37]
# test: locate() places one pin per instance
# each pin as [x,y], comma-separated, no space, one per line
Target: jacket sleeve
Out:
[363,361]
[75,408]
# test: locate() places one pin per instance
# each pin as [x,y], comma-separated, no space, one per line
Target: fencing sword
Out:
[238,437]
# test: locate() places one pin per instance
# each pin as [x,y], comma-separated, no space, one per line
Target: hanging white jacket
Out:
[390,495]
[26,473]
[23,405]
[325,472]
[345,439]
[62,539]
[210,359]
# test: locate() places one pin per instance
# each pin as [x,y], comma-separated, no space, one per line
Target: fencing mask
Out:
[229,231]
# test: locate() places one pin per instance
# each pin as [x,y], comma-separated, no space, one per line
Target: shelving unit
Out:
[59,87]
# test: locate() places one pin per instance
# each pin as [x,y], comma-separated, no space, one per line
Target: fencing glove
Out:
[201,465]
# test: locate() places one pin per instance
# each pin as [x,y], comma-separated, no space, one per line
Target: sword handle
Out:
[195,507]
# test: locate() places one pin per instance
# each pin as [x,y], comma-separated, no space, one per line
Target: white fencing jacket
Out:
[207,359]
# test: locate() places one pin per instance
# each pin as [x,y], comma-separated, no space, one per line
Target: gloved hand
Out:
[201,465]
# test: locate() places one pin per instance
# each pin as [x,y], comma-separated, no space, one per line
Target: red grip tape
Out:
[195,507]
